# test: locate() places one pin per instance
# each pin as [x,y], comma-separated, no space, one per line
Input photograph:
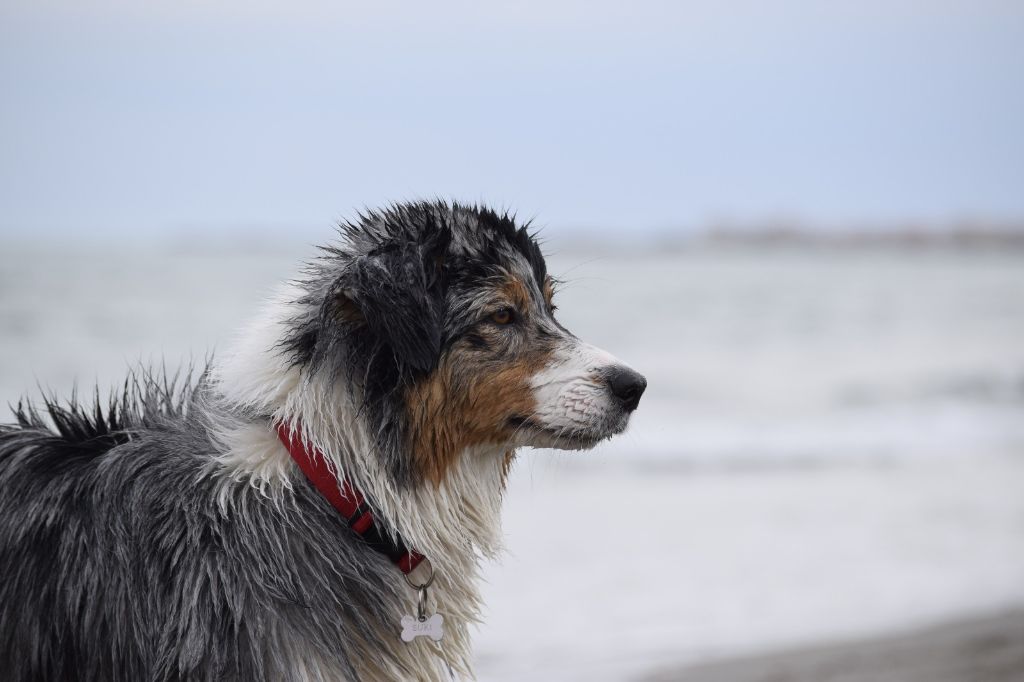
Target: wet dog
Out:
[266,521]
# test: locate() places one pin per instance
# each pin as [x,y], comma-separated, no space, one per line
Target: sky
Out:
[130,117]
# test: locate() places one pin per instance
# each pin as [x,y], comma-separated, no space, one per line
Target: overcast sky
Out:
[619,115]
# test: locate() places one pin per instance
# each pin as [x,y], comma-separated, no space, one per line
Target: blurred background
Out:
[804,222]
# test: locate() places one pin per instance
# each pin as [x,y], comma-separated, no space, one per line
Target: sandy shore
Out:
[979,650]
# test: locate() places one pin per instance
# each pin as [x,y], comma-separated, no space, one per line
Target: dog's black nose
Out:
[627,385]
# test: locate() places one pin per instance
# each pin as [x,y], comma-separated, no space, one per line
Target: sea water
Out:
[831,444]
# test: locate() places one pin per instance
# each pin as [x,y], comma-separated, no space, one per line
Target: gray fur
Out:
[137,544]
[119,564]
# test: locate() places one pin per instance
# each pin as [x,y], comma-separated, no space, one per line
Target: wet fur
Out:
[169,537]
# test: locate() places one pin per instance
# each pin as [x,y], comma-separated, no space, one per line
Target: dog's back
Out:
[79,500]
[119,562]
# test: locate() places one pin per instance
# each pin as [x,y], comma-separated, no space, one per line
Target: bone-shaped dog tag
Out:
[421,626]
[432,627]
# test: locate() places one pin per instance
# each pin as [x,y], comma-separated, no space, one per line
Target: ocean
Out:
[831,444]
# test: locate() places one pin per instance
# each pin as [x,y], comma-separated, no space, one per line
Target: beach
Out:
[830,449]
[974,650]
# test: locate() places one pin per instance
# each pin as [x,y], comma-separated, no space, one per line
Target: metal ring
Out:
[421,604]
[430,580]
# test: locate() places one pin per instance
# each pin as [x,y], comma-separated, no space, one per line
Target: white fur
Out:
[573,398]
[453,525]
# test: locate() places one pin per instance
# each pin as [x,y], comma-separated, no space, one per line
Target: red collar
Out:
[349,502]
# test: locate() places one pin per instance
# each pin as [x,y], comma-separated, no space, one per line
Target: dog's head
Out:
[443,318]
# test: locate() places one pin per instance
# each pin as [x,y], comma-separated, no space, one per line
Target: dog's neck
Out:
[454,523]
[259,386]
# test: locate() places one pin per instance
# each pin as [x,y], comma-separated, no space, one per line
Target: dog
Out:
[339,468]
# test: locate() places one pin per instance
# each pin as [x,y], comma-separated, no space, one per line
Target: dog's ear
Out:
[396,295]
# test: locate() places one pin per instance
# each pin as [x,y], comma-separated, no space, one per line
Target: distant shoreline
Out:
[262,240]
[988,649]
[765,238]
[910,236]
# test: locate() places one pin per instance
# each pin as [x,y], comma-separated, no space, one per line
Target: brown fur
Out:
[465,403]
[549,292]
[469,399]
[517,293]
[506,466]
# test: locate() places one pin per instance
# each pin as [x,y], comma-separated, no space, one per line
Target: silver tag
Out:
[421,626]
[432,627]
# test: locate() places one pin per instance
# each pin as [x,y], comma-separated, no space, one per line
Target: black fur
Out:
[394,308]
[118,564]
[121,558]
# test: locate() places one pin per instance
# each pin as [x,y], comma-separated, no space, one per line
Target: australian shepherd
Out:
[315,505]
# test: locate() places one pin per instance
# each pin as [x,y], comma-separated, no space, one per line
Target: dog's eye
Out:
[503,316]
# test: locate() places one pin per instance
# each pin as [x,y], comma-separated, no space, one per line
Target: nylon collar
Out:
[349,502]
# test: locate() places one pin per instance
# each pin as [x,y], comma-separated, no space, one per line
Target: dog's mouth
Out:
[532,433]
